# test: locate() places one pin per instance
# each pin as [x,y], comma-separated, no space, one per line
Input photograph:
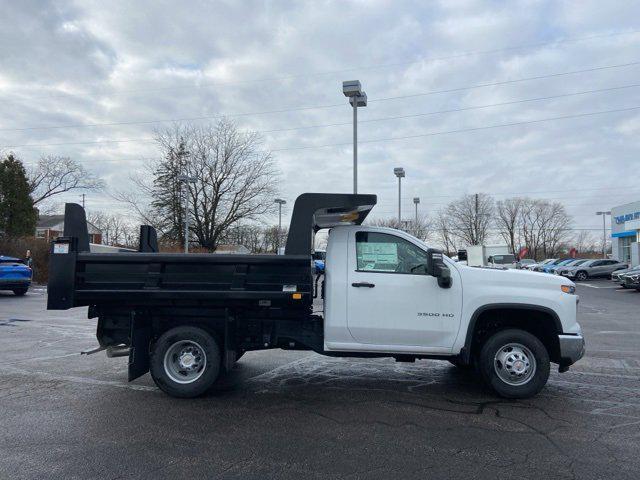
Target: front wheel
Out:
[514,363]
[185,362]
[582,276]
[20,291]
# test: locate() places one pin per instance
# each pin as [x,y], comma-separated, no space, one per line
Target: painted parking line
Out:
[596,286]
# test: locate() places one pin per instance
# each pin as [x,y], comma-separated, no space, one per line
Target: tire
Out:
[20,291]
[511,347]
[582,276]
[185,362]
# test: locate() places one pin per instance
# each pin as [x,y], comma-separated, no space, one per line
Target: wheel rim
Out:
[185,361]
[582,276]
[514,364]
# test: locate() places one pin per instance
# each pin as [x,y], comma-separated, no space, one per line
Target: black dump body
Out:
[249,301]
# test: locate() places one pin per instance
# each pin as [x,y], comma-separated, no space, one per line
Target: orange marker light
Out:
[297,296]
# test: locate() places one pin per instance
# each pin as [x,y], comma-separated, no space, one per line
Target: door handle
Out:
[363,284]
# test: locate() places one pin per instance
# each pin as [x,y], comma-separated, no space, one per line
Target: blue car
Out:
[14,275]
[558,263]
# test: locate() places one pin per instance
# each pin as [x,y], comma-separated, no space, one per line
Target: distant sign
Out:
[625,218]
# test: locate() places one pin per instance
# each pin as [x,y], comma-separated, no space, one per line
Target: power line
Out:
[313,107]
[463,130]
[506,82]
[377,140]
[453,110]
[627,192]
[354,69]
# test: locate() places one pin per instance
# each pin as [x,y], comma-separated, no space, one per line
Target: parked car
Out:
[552,267]
[558,269]
[546,268]
[594,269]
[539,266]
[525,263]
[617,275]
[14,275]
[631,280]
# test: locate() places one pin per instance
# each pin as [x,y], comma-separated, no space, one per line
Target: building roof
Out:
[51,221]
[48,221]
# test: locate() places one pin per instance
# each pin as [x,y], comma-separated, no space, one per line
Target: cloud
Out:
[98,62]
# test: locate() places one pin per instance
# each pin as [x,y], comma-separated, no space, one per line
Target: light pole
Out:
[416,201]
[280,202]
[399,172]
[357,98]
[604,232]
[186,180]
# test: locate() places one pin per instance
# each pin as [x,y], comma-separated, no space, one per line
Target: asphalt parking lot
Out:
[300,415]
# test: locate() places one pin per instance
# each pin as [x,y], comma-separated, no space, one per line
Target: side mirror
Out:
[437,268]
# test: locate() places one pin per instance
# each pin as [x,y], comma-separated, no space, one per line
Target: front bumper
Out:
[572,349]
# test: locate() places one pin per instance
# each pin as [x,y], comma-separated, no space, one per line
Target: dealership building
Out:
[625,233]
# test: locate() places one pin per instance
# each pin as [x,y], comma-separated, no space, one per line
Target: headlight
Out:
[570,289]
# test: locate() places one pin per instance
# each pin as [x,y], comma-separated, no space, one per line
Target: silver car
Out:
[617,275]
[594,269]
[574,263]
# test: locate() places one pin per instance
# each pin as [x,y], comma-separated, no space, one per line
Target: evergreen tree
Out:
[168,192]
[17,214]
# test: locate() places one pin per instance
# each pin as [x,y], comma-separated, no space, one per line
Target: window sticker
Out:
[378,256]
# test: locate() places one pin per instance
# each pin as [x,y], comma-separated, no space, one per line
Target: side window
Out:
[597,264]
[382,252]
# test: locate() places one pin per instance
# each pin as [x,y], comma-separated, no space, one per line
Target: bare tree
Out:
[234,180]
[444,231]
[422,230]
[116,230]
[470,218]
[544,227]
[54,175]
[508,213]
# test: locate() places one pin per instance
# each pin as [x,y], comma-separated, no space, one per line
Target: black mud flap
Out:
[229,354]
[139,353]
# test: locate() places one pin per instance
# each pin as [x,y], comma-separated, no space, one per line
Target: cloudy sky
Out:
[92,80]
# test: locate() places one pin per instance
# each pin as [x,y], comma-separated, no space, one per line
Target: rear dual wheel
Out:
[185,362]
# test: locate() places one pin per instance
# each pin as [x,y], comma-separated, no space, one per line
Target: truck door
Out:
[392,301]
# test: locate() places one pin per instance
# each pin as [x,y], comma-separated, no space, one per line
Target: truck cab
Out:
[381,293]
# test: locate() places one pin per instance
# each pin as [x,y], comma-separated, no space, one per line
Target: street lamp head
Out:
[186,178]
[398,172]
[603,213]
[360,100]
[280,201]
[351,88]
[416,200]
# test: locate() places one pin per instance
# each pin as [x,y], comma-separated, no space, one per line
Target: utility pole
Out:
[399,172]
[475,222]
[280,202]
[357,98]
[416,201]
[604,232]
[83,195]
